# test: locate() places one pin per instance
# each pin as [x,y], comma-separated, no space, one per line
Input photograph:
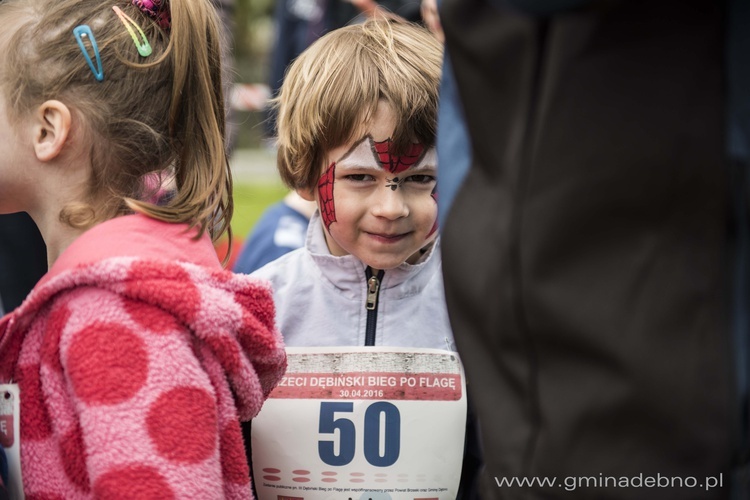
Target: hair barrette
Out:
[144,48]
[83,33]
[156,11]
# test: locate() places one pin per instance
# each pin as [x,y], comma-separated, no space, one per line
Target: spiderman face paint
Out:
[434,197]
[325,196]
[396,164]
[382,227]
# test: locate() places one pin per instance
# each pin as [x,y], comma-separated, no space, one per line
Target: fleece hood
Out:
[229,317]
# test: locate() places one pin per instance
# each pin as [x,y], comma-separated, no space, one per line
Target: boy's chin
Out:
[386,263]
[413,258]
[381,262]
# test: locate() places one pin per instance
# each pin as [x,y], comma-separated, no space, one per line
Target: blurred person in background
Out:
[280,229]
[595,254]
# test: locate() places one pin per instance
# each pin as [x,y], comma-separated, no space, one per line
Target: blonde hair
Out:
[332,90]
[163,113]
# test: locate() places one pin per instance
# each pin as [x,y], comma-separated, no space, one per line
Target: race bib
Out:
[10,427]
[362,423]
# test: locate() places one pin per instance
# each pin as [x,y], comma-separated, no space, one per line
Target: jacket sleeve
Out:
[148,420]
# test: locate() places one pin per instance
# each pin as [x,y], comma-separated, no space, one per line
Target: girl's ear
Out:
[51,129]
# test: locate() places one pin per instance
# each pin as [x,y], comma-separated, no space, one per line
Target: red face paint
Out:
[397,164]
[325,196]
[434,195]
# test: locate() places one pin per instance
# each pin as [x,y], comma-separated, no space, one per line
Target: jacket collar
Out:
[135,236]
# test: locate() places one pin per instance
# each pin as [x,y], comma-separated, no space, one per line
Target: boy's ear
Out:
[306,194]
[51,129]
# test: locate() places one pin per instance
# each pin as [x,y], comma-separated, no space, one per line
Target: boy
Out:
[356,135]
[356,128]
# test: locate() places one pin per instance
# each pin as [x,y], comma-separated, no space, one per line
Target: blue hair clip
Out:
[82,33]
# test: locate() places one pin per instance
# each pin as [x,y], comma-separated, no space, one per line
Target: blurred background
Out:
[253,33]
[254,162]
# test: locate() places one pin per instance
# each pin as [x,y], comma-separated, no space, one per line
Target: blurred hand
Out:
[432,19]
[367,7]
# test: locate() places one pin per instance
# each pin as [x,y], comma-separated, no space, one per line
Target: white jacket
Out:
[320,298]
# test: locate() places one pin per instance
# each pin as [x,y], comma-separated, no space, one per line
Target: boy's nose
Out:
[390,203]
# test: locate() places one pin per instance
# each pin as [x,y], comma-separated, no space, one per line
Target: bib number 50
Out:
[375,434]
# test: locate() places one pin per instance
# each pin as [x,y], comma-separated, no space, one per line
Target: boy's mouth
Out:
[388,237]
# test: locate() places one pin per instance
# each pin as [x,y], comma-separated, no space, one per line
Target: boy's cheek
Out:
[332,238]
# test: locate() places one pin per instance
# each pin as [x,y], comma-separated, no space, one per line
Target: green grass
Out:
[250,200]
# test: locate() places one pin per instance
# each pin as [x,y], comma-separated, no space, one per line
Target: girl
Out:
[136,355]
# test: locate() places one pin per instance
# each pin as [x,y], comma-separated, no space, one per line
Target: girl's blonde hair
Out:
[149,116]
[332,90]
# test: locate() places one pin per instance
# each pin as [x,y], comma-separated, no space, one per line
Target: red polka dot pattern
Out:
[233,461]
[51,342]
[255,304]
[222,276]
[136,481]
[36,423]
[116,405]
[260,344]
[10,351]
[167,285]
[74,462]
[107,364]
[43,496]
[151,318]
[182,424]
[227,350]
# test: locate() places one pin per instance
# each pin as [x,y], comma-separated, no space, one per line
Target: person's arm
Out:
[145,413]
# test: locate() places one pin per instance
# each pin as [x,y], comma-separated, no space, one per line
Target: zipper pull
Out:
[373,284]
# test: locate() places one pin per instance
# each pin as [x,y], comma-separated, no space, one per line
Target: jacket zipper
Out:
[371,304]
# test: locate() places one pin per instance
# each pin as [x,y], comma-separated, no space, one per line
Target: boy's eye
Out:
[421,178]
[359,177]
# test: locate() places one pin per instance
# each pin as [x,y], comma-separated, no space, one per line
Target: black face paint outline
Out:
[327,204]
[396,164]
[394,183]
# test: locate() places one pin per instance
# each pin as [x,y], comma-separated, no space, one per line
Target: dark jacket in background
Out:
[587,255]
[23,258]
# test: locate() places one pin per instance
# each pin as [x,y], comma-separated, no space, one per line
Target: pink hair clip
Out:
[155,9]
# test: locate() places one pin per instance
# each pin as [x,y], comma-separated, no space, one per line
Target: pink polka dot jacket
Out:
[136,357]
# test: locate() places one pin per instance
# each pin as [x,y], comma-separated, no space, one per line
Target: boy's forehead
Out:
[368,153]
